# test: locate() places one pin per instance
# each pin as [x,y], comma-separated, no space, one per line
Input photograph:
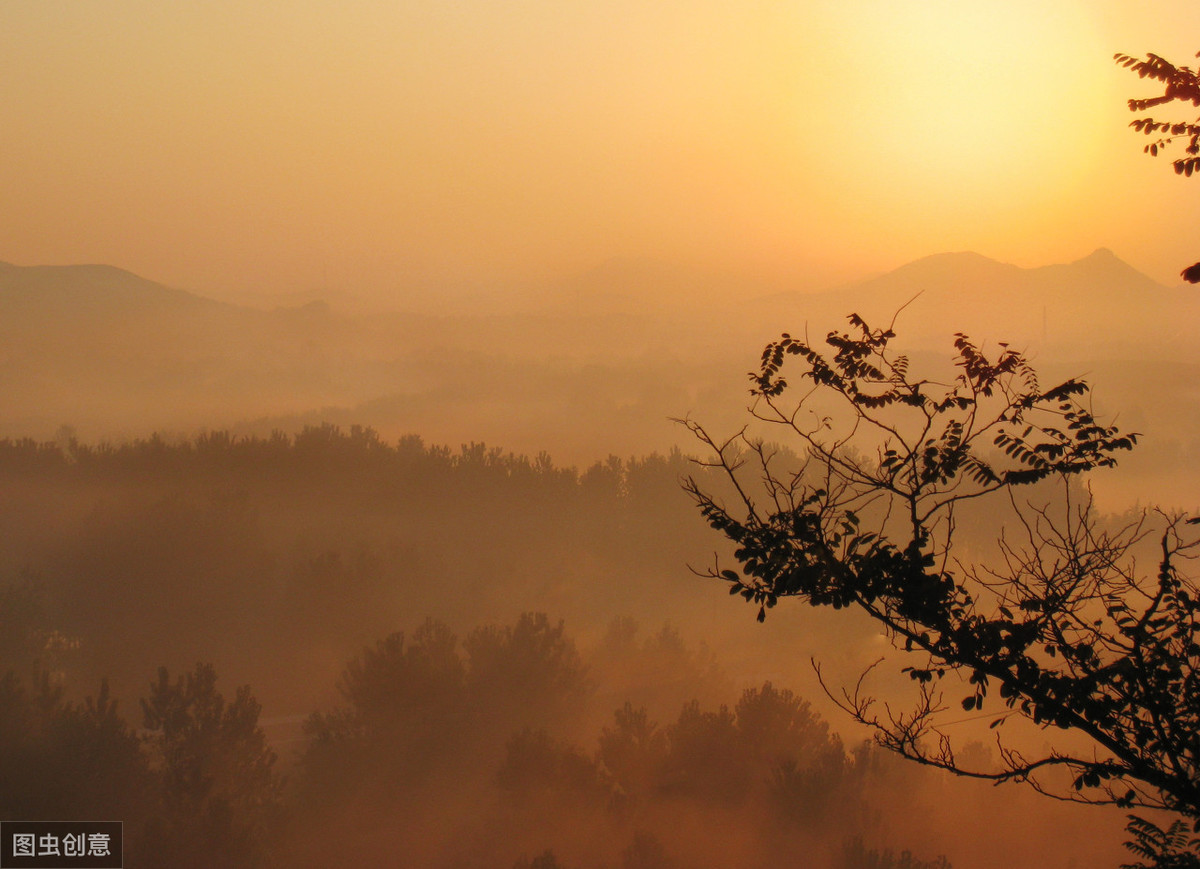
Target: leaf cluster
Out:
[1179,83]
[1064,629]
[1171,848]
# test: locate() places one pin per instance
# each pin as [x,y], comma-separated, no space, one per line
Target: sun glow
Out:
[969,117]
[228,145]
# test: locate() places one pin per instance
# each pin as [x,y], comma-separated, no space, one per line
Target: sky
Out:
[232,147]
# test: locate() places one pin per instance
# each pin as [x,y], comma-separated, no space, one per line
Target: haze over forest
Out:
[343,353]
[599,366]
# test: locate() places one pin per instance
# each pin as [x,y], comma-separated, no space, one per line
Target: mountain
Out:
[85,343]
[1095,306]
[1134,340]
[598,369]
[69,293]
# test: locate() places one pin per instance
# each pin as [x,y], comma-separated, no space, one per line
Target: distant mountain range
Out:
[1094,307]
[597,368]
[1098,298]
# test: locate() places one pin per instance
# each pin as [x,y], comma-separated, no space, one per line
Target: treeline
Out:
[449,753]
[261,554]
[279,560]
[277,557]
[329,468]
[354,456]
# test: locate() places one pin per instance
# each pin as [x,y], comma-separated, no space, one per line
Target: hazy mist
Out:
[265,491]
[342,357]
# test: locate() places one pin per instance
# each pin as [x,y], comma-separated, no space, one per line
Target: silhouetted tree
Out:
[220,792]
[705,760]
[792,753]
[1179,83]
[776,725]
[1061,625]
[525,673]
[1172,848]
[67,761]
[634,751]
[416,706]
[407,712]
[392,683]
[538,767]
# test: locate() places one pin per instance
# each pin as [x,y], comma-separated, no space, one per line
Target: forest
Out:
[328,649]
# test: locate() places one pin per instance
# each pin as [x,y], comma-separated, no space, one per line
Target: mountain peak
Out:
[1102,258]
[1104,269]
[1101,254]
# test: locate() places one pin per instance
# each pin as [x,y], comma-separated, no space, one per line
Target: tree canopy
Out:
[1061,624]
[1179,83]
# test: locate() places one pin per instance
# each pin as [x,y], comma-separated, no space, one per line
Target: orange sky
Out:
[227,146]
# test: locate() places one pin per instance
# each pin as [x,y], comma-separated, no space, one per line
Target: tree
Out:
[525,673]
[1179,83]
[220,792]
[67,761]
[539,770]
[1061,624]
[407,714]
[1171,848]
